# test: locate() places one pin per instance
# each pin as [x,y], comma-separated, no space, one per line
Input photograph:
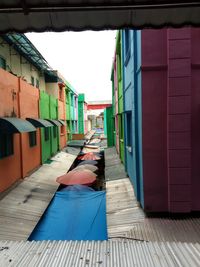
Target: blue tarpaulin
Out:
[74,215]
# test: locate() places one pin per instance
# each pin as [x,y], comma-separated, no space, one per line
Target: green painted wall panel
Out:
[120,95]
[110,127]
[105,121]
[49,110]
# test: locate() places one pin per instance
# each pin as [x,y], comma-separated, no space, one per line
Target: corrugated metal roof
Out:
[60,15]
[125,253]
[185,229]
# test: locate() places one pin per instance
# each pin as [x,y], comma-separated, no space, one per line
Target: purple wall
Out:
[171,119]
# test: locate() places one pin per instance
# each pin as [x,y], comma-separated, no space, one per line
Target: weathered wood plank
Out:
[22,207]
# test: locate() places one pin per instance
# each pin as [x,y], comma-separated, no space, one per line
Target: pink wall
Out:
[171,128]
[154,118]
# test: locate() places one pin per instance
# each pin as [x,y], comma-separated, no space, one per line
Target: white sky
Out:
[83,58]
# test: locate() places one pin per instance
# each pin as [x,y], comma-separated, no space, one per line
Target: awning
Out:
[60,15]
[40,123]
[54,122]
[25,48]
[62,122]
[15,125]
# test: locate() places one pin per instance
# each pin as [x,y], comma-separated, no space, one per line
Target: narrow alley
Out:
[133,237]
[99,133]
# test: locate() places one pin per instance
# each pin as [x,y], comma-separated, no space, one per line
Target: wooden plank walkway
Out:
[126,219]
[123,210]
[22,207]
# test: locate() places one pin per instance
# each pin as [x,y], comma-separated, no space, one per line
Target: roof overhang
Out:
[60,15]
[40,123]
[54,122]
[15,125]
[62,122]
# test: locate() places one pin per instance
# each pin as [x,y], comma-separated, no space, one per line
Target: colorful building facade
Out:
[161,122]
[33,110]
[71,110]
[82,115]
[117,83]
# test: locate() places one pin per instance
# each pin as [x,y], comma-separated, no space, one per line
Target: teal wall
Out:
[81,99]
[71,115]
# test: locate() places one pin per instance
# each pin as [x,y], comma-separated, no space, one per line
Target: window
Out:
[120,123]
[37,83]
[32,139]
[32,80]
[2,63]
[127,41]
[66,99]
[129,130]
[127,46]
[46,134]
[68,126]
[54,132]
[60,94]
[119,66]
[62,129]
[72,98]
[6,145]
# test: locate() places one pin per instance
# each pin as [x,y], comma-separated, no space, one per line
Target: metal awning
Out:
[62,122]
[25,48]
[15,125]
[39,123]
[60,15]
[54,122]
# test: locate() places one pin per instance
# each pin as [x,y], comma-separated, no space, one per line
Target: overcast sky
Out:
[83,58]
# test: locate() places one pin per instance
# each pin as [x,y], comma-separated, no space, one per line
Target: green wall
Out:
[113,107]
[110,127]
[105,122]
[120,95]
[55,140]
[48,110]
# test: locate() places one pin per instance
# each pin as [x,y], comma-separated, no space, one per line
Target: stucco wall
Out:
[19,66]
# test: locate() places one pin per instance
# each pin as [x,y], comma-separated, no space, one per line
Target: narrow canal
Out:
[78,209]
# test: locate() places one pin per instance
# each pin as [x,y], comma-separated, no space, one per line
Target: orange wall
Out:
[61,110]
[62,116]
[8,94]
[10,167]
[29,107]
[30,155]
[29,100]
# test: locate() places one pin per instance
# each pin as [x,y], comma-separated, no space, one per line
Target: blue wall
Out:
[131,47]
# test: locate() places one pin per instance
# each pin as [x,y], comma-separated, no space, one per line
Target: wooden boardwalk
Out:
[123,210]
[22,207]
[125,217]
